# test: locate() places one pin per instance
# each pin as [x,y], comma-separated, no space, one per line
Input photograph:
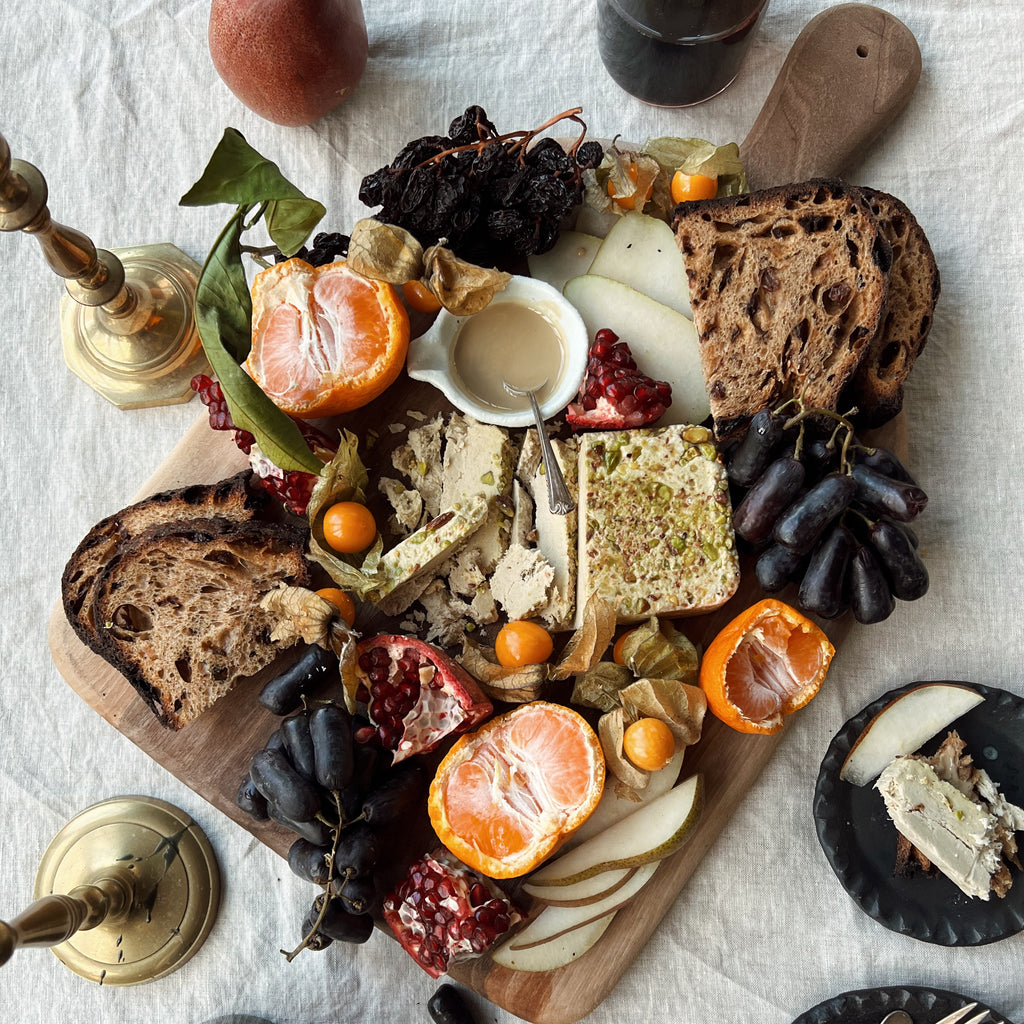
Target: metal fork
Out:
[957,1016]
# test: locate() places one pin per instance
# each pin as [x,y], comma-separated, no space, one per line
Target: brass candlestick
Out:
[127,319]
[126,893]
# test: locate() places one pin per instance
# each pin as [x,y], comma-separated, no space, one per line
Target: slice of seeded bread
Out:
[877,386]
[787,287]
[177,609]
[232,499]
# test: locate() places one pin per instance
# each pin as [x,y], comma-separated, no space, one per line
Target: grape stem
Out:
[521,137]
[843,421]
[308,937]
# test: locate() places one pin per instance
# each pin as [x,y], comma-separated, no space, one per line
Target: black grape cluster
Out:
[830,514]
[487,195]
[334,793]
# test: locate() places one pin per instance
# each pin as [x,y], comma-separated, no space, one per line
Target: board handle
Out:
[850,72]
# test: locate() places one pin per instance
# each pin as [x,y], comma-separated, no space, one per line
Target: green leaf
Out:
[239,175]
[290,221]
[223,318]
[223,301]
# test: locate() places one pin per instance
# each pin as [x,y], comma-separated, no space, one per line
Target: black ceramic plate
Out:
[868,1006]
[859,840]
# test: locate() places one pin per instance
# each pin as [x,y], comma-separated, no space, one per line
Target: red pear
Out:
[290,61]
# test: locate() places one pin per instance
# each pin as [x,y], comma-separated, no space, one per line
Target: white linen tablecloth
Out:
[119,106]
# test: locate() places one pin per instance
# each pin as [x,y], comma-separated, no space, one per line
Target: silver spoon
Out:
[559,500]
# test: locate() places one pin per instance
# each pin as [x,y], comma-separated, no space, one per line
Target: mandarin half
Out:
[767,663]
[325,340]
[507,795]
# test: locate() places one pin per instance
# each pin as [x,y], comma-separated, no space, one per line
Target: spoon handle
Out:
[559,500]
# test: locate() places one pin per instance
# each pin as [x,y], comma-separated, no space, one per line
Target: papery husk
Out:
[679,705]
[344,478]
[657,160]
[511,685]
[586,647]
[600,687]
[305,615]
[610,729]
[614,168]
[695,156]
[384,252]
[658,650]
[462,288]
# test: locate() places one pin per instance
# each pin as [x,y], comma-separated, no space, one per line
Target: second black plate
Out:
[868,1006]
[859,840]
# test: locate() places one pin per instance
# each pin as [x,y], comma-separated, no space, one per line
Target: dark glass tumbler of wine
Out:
[675,53]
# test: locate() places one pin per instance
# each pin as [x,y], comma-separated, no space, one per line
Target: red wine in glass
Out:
[674,53]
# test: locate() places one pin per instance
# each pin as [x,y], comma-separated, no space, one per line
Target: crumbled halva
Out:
[522,582]
[419,554]
[655,522]
[478,458]
[419,460]
[555,534]
[448,615]
[406,502]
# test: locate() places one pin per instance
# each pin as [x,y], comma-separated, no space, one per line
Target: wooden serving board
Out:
[849,73]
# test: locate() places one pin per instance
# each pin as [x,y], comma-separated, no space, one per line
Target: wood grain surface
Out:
[787,143]
[849,73]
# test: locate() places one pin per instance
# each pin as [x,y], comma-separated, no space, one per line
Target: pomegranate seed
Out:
[606,336]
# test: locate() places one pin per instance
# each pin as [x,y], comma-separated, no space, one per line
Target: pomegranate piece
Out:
[443,911]
[293,489]
[415,695]
[614,394]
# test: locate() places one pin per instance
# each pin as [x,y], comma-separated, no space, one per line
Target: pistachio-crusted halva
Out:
[655,522]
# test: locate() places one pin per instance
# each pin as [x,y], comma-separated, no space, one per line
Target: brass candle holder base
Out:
[142,890]
[143,348]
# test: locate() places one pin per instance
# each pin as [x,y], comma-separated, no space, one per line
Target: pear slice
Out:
[903,725]
[612,807]
[641,251]
[560,934]
[587,891]
[569,257]
[554,952]
[663,342]
[653,832]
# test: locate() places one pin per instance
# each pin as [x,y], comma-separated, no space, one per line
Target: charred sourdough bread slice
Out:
[787,287]
[178,609]
[877,386]
[229,499]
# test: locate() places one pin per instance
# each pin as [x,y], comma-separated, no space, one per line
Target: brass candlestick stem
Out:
[126,893]
[127,321]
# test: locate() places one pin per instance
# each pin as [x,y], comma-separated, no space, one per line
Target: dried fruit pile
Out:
[490,195]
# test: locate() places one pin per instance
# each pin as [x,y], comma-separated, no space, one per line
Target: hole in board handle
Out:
[862,51]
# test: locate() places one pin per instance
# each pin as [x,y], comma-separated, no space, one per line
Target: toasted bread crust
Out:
[878,385]
[231,498]
[788,286]
[178,609]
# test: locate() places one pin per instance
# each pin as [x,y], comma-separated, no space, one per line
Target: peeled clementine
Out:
[325,340]
[766,664]
[506,795]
